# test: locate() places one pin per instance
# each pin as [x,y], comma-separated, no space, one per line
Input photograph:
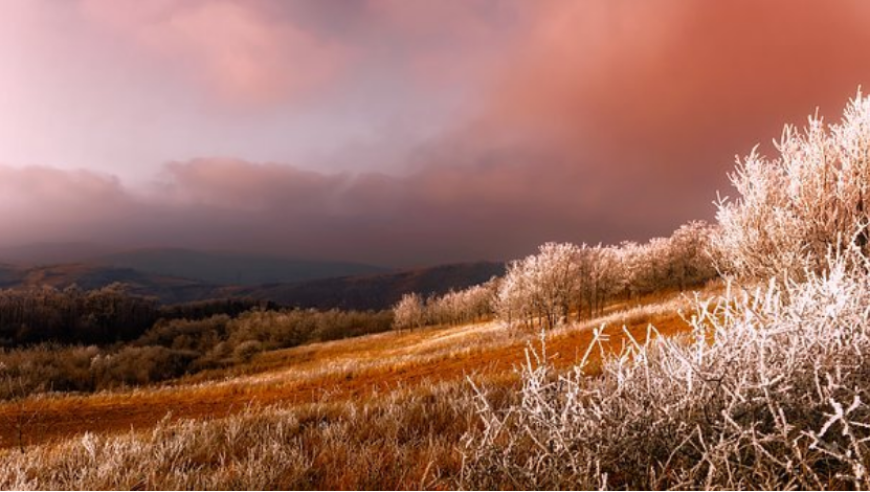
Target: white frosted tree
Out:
[514,299]
[541,287]
[600,277]
[409,312]
[630,267]
[690,255]
[793,209]
[546,287]
[650,263]
[463,306]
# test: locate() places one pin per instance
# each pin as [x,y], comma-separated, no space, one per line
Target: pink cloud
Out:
[643,105]
[587,121]
[240,185]
[39,202]
[233,48]
[57,187]
[268,51]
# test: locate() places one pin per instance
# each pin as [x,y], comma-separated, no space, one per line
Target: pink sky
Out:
[398,132]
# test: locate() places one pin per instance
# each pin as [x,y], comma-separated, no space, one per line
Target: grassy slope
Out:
[359,370]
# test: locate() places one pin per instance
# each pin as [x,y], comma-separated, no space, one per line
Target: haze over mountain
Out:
[210,267]
[231,268]
[375,291]
[166,289]
[53,253]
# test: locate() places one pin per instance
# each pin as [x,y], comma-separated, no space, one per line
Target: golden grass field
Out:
[356,369]
[412,375]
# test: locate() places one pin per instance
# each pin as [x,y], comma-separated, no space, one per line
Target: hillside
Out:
[362,369]
[9,275]
[207,267]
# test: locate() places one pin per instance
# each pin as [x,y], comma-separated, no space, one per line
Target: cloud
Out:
[642,106]
[40,201]
[260,52]
[582,121]
[239,185]
[233,48]
[434,215]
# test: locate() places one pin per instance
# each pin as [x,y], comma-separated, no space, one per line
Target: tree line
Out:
[546,288]
[564,279]
[174,347]
[98,316]
[455,307]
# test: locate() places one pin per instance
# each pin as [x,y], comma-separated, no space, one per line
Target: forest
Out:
[86,341]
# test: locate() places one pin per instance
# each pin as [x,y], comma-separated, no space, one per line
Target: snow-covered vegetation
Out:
[546,288]
[793,209]
[455,307]
[770,391]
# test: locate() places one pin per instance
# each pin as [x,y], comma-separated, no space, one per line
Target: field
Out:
[426,372]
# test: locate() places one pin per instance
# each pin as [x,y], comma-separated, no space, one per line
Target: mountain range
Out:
[215,267]
[180,275]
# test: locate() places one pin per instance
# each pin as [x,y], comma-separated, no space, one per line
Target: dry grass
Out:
[393,406]
[407,440]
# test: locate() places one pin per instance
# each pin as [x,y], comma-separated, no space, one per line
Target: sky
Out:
[399,132]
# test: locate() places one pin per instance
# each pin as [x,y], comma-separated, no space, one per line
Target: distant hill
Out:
[376,291]
[9,275]
[230,268]
[164,288]
[210,267]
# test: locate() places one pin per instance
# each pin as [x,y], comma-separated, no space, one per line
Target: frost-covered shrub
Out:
[770,391]
[814,197]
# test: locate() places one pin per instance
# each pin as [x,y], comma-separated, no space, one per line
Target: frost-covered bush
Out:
[770,391]
[814,197]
